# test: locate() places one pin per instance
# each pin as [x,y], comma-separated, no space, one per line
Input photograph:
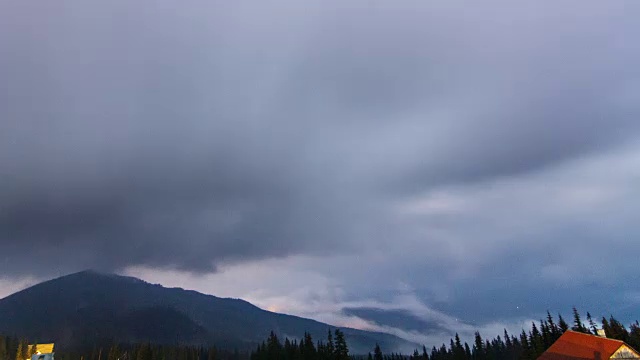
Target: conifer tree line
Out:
[528,345]
[335,348]
[12,348]
[15,349]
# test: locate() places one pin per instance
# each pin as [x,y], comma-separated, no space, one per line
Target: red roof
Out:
[574,345]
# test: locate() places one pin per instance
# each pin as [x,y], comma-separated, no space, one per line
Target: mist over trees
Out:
[527,345]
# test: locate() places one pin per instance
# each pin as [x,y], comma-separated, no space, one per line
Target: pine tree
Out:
[307,349]
[32,350]
[606,327]
[553,328]
[114,353]
[451,350]
[634,335]
[562,324]
[433,355]
[3,349]
[330,347]
[478,352]
[490,353]
[577,322]
[546,334]
[341,348]
[508,346]
[25,349]
[444,354]
[457,349]
[535,341]
[593,328]
[144,352]
[415,355]
[617,330]
[274,347]
[507,340]
[527,352]
[377,353]
[19,352]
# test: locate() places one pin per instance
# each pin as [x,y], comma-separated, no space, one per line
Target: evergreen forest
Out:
[527,345]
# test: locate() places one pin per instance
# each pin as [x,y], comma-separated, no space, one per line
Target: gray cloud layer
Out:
[180,136]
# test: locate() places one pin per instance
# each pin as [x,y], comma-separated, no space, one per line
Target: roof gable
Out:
[625,352]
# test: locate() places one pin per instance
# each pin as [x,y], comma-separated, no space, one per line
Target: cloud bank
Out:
[472,153]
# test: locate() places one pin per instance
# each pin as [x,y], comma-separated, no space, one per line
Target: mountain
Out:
[88,308]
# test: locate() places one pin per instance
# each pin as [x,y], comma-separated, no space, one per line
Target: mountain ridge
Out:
[90,307]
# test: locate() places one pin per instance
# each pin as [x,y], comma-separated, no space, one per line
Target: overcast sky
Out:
[416,167]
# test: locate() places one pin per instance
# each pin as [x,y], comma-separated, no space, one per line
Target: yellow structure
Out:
[41,348]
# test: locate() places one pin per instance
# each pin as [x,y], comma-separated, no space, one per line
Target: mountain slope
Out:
[88,307]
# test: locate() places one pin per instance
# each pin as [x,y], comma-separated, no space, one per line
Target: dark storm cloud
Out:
[182,135]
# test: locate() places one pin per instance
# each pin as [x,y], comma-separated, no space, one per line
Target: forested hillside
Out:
[527,345]
[89,309]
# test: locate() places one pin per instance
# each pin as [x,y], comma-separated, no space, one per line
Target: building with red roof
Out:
[578,346]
